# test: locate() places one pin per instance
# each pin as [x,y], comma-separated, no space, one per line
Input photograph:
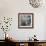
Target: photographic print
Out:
[25,20]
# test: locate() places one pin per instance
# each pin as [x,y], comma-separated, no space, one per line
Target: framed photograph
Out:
[25,20]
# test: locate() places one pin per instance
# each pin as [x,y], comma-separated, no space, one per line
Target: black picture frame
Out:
[25,20]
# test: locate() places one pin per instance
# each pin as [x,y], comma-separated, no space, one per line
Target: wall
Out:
[11,8]
[45,28]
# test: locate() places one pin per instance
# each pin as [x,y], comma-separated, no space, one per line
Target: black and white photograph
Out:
[25,20]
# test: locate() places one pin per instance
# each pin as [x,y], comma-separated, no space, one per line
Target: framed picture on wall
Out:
[25,20]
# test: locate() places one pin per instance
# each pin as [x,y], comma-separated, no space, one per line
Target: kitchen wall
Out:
[11,8]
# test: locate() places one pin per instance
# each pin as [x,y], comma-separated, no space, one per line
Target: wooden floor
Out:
[3,43]
[18,43]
